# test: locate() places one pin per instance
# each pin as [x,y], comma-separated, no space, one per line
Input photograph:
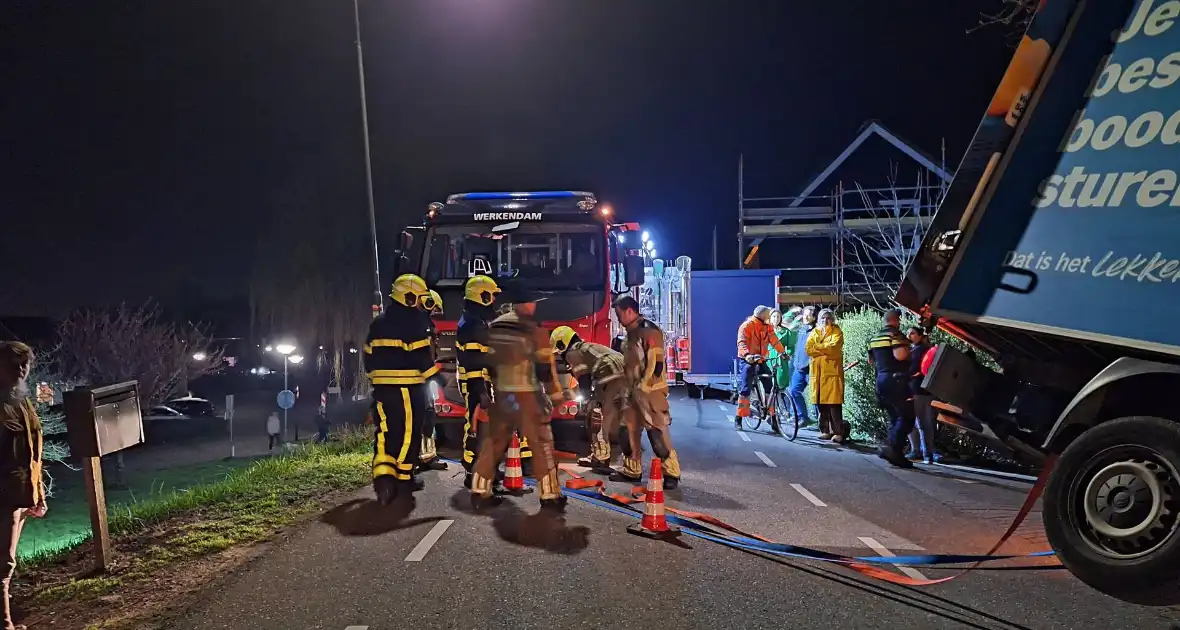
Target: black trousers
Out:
[894,395]
[398,412]
[473,432]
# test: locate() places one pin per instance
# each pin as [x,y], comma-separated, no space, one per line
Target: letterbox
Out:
[103,420]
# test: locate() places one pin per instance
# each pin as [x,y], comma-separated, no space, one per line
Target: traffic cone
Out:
[654,524]
[513,477]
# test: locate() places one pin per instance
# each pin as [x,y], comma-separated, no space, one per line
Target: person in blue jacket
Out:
[801,364]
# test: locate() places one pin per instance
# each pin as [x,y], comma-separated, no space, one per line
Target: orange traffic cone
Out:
[654,524]
[513,477]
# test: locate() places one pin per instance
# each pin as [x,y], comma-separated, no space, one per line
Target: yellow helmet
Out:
[432,302]
[408,290]
[562,337]
[481,290]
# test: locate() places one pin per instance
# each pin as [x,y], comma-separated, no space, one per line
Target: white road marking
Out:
[742,434]
[724,407]
[357,628]
[882,551]
[966,481]
[765,460]
[427,542]
[807,495]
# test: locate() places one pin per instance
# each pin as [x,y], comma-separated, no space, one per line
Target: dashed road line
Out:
[724,407]
[807,495]
[882,551]
[423,547]
[765,460]
[742,434]
[966,481]
[357,628]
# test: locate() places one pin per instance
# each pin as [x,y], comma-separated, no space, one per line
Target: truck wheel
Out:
[1111,509]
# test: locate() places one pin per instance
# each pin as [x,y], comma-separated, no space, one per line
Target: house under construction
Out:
[839,242]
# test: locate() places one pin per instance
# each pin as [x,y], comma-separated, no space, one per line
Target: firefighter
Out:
[428,458]
[524,379]
[599,371]
[398,362]
[471,355]
[647,396]
[889,353]
[755,337]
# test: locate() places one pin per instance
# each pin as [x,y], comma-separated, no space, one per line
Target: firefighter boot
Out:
[386,488]
[554,506]
[671,471]
[632,471]
[482,497]
[429,457]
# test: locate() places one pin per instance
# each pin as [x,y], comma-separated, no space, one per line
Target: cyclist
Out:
[754,337]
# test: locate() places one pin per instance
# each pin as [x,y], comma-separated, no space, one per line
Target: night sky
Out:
[150,147]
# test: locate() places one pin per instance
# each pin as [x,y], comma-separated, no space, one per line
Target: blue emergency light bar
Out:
[506,196]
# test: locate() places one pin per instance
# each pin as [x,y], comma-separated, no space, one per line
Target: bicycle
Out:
[769,405]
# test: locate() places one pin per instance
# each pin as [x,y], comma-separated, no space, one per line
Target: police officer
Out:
[524,379]
[599,371]
[398,361]
[471,355]
[889,353]
[647,396]
[428,458]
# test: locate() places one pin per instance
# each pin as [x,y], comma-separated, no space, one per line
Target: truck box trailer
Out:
[1057,252]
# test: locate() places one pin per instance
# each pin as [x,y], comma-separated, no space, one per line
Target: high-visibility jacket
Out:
[471,351]
[593,363]
[755,337]
[643,357]
[397,350]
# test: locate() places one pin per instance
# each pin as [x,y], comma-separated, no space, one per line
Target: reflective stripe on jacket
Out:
[755,337]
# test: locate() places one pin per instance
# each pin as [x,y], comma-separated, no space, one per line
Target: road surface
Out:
[441,567]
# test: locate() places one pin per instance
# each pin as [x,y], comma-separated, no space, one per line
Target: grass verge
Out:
[153,539]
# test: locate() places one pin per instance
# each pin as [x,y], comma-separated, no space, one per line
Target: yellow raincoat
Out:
[826,350]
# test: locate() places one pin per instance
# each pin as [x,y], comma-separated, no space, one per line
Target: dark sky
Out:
[149,146]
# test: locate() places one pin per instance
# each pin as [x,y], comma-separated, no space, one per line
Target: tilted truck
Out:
[1057,253]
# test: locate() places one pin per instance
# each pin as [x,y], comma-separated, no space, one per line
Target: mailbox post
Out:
[101,421]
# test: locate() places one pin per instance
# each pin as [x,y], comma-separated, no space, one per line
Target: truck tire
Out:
[1112,509]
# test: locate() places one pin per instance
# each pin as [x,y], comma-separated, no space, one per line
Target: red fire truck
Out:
[564,242]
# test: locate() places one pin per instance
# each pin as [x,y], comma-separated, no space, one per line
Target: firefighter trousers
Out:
[527,413]
[399,412]
[610,399]
[648,411]
[428,452]
[474,427]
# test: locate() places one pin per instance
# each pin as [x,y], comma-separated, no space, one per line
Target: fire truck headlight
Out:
[435,390]
[579,398]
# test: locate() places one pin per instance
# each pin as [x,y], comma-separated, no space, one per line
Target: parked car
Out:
[192,406]
[165,413]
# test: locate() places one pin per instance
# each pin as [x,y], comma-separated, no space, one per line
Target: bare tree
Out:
[134,343]
[1013,15]
[881,238]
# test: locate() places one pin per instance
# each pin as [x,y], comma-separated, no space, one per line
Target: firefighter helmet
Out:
[432,303]
[481,290]
[563,337]
[408,290]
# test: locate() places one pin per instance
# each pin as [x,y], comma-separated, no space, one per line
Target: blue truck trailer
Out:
[1057,253]
[718,302]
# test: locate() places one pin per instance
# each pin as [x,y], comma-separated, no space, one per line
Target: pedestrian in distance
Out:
[801,365]
[273,430]
[22,491]
[322,425]
[825,347]
[889,354]
[526,386]
[647,396]
[399,363]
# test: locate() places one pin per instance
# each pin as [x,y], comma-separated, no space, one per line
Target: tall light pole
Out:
[285,349]
[360,67]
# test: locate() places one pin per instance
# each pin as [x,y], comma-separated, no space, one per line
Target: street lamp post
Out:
[360,67]
[285,349]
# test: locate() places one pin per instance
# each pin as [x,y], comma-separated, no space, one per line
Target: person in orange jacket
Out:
[754,338]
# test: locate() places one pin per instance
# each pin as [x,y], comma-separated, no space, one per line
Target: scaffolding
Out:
[869,235]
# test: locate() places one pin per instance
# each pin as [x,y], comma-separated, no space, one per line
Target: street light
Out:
[286,349]
[651,246]
[199,356]
[645,237]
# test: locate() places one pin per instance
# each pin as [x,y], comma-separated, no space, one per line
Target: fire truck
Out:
[564,243]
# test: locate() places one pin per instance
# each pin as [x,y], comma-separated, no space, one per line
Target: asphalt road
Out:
[438,566]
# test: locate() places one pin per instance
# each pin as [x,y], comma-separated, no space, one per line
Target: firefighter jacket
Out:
[471,350]
[521,357]
[643,357]
[756,337]
[593,364]
[397,350]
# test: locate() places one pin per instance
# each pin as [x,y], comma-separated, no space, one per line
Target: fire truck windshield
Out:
[553,256]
